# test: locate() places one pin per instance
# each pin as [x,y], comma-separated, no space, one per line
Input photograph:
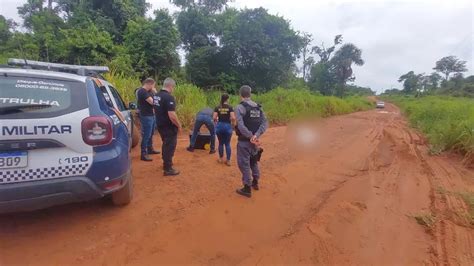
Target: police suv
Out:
[65,136]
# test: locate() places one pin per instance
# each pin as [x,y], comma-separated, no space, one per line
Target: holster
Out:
[257,156]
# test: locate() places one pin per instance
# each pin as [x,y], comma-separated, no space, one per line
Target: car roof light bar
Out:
[78,69]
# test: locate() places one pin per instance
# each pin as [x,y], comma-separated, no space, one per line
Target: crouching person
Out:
[251,124]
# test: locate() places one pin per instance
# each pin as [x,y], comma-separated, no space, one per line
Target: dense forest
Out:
[223,47]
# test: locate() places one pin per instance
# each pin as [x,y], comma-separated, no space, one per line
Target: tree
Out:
[236,47]
[434,79]
[450,64]
[261,48]
[5,33]
[43,20]
[392,91]
[321,79]
[334,69]
[411,82]
[431,82]
[87,45]
[341,65]
[109,15]
[359,91]
[196,28]
[325,53]
[200,68]
[308,60]
[152,45]
[29,9]
[208,6]
[46,27]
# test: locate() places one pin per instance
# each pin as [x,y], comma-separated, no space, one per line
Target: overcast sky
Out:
[395,36]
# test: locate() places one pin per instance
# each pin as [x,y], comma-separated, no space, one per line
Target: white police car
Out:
[65,136]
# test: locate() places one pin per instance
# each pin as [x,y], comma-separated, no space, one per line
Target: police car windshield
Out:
[36,97]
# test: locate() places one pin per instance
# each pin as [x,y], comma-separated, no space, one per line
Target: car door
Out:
[123,115]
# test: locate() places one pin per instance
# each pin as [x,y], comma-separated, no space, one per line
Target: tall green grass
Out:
[281,105]
[448,122]
[124,84]
[189,99]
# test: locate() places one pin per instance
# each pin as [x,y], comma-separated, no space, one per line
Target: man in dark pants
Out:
[147,118]
[251,124]
[168,124]
[204,117]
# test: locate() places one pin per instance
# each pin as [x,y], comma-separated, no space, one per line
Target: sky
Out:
[395,36]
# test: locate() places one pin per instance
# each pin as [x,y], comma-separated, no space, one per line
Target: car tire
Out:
[135,134]
[124,195]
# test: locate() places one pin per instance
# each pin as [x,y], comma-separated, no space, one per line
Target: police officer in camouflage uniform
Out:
[251,124]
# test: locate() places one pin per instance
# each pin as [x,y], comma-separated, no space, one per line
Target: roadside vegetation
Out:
[448,122]
[426,220]
[441,105]
[446,80]
[281,105]
[468,198]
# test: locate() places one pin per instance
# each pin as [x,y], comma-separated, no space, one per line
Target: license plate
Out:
[17,159]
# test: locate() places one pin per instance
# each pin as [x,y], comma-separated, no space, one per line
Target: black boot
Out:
[245,191]
[171,172]
[153,151]
[145,158]
[190,149]
[255,185]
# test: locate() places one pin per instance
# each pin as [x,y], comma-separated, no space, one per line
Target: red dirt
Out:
[352,202]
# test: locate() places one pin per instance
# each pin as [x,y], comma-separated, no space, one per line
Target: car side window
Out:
[118,99]
[106,95]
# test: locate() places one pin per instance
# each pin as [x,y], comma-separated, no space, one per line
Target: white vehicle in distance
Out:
[380,104]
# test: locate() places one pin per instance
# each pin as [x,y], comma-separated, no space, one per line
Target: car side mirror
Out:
[132,106]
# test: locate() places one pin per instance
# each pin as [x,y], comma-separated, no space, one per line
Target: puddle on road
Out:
[386,112]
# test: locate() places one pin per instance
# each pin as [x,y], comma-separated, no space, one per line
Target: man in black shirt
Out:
[147,118]
[168,124]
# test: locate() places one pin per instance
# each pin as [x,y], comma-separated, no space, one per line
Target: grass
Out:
[448,122]
[427,220]
[280,105]
[468,198]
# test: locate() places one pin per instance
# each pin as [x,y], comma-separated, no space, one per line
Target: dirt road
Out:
[353,202]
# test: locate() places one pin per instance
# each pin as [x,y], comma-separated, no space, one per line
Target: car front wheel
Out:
[135,134]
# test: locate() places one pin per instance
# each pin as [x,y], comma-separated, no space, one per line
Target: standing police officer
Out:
[168,125]
[251,124]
